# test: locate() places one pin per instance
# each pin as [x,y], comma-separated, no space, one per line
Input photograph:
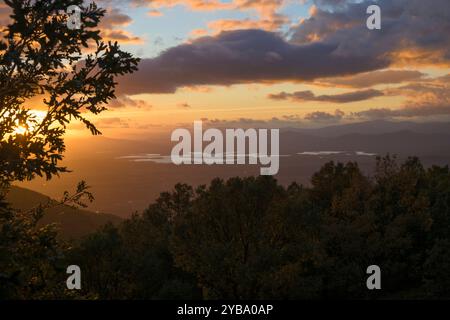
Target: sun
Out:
[22,129]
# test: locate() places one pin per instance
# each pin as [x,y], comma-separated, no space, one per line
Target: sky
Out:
[276,63]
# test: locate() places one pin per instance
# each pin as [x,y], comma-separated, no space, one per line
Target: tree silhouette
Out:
[251,238]
[71,72]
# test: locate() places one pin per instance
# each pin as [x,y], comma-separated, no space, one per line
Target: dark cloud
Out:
[333,42]
[114,17]
[336,98]
[369,79]
[241,57]
[418,27]
[112,27]
[275,122]
[320,116]
[405,112]
[284,121]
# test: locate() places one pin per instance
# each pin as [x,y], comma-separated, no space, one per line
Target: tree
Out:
[30,257]
[238,239]
[133,261]
[251,238]
[71,72]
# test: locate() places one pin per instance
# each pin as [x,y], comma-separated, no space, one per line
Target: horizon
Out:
[142,167]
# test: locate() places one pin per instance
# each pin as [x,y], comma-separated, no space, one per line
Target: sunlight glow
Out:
[37,116]
[20,130]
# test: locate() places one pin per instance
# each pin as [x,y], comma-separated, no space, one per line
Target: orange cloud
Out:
[269,18]
[235,24]
[202,5]
[112,25]
[154,13]
[199,32]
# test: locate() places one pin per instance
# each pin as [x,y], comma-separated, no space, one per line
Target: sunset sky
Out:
[277,63]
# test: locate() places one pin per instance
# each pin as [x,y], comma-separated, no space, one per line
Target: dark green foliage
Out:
[250,238]
[30,257]
[132,262]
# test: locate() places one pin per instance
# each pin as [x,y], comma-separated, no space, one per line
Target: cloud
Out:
[370,79]
[112,25]
[274,122]
[242,56]
[269,24]
[405,112]
[284,121]
[155,13]
[184,105]
[301,96]
[201,5]
[320,116]
[265,8]
[429,97]
[412,31]
[127,102]
[333,42]
[268,16]
[334,4]
[108,123]
[429,92]
[199,32]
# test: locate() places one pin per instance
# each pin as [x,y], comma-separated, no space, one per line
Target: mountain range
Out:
[127,175]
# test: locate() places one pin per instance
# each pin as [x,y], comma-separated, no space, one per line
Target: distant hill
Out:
[403,143]
[375,127]
[72,222]
[123,185]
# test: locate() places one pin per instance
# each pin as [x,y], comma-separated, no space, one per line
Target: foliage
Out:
[250,238]
[71,72]
[30,257]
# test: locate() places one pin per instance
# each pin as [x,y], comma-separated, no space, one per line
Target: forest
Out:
[251,238]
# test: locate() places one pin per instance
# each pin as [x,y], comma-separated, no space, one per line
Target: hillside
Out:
[73,223]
